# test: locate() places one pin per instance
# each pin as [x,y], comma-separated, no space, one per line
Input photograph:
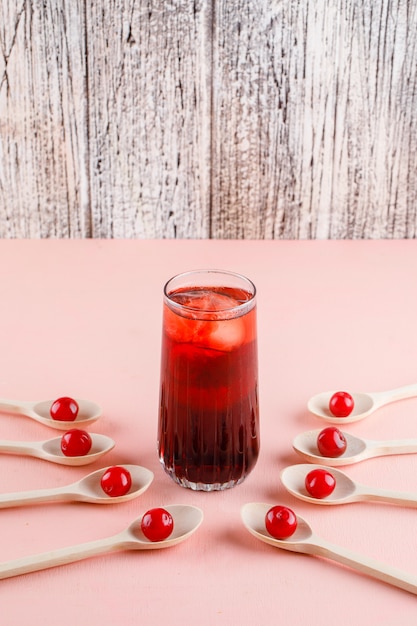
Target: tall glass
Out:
[208,433]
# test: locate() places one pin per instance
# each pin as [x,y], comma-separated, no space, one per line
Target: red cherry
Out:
[320,483]
[116,481]
[341,404]
[76,442]
[157,524]
[280,522]
[64,409]
[331,442]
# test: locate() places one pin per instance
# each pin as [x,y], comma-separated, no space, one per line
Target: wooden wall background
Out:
[208,118]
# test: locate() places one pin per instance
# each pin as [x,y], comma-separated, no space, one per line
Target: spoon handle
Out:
[364,564]
[392,446]
[400,393]
[23,448]
[35,496]
[62,556]
[386,495]
[14,406]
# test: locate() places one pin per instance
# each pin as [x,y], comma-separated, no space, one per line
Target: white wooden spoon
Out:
[88,489]
[305,541]
[88,412]
[345,491]
[50,450]
[364,403]
[357,449]
[186,521]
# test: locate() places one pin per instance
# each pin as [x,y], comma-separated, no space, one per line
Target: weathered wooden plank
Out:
[266,119]
[317,101]
[43,184]
[149,82]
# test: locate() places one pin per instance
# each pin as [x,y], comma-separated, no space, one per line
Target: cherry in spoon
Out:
[88,489]
[357,449]
[50,450]
[88,412]
[186,521]
[346,490]
[305,541]
[364,403]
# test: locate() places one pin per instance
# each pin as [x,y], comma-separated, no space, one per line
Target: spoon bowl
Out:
[293,479]
[357,449]
[253,517]
[186,518]
[88,489]
[305,541]
[88,412]
[364,403]
[346,490]
[50,450]
[305,444]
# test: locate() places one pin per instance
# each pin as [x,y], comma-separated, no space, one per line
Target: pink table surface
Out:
[83,318]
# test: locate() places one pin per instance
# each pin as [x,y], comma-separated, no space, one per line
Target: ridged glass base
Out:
[183,482]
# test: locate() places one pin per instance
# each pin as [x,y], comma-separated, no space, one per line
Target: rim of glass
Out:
[246,305]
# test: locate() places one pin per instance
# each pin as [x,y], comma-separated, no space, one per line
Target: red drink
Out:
[209,420]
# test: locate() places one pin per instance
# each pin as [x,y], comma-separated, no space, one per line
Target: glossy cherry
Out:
[116,481]
[157,524]
[320,483]
[76,442]
[280,522]
[64,409]
[331,442]
[341,404]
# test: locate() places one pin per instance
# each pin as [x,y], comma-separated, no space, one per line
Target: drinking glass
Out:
[208,431]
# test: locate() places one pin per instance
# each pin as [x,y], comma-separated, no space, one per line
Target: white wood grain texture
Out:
[318,102]
[229,119]
[149,110]
[43,179]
